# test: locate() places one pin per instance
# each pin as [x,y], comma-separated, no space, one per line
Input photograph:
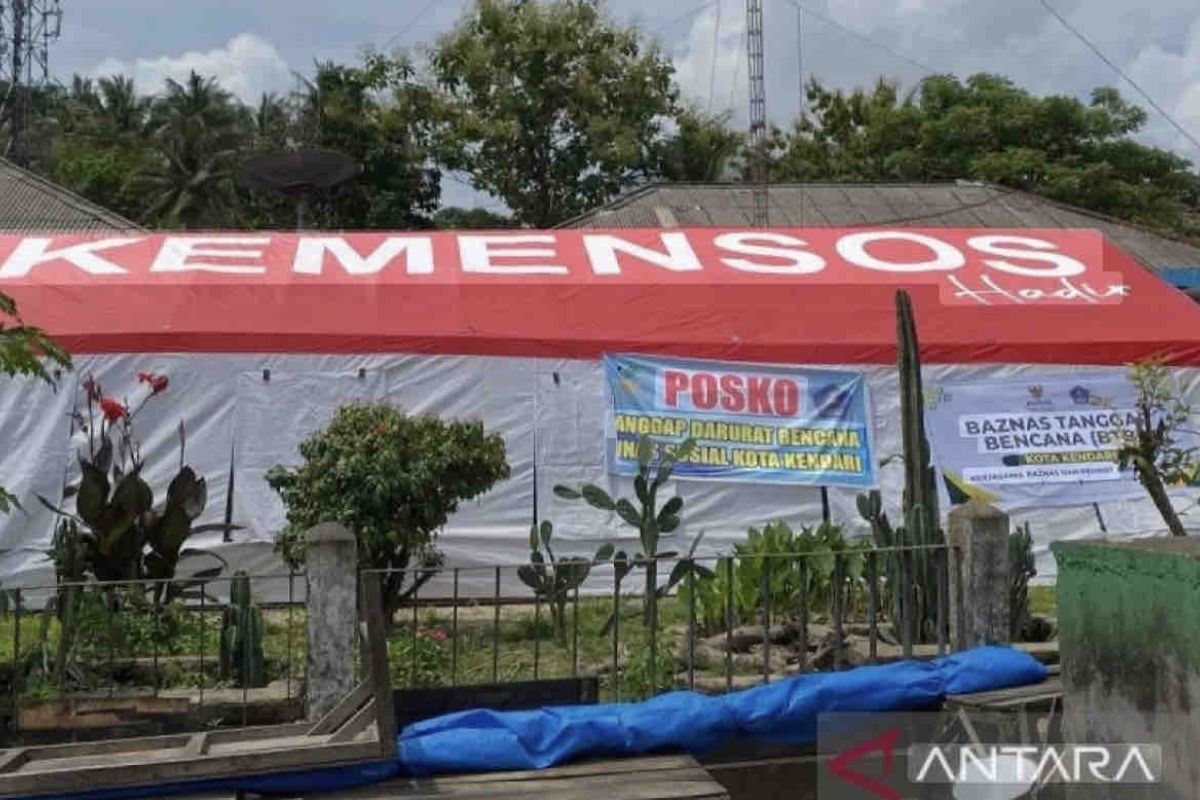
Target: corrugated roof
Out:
[29,203]
[950,205]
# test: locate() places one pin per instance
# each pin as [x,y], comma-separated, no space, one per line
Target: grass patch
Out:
[1043,601]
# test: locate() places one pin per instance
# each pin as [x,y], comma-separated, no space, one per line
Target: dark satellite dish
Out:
[298,174]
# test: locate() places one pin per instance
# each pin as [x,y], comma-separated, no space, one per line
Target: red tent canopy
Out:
[788,295]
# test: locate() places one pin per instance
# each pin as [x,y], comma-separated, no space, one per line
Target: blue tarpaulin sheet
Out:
[784,712]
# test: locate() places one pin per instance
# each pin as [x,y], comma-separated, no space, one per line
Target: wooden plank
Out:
[12,759]
[1009,698]
[356,724]
[109,746]
[123,775]
[614,785]
[607,780]
[380,675]
[196,745]
[169,741]
[344,710]
[583,769]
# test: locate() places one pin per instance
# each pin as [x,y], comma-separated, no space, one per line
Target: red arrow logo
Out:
[884,743]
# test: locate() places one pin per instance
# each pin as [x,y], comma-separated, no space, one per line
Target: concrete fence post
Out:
[979,584]
[331,561]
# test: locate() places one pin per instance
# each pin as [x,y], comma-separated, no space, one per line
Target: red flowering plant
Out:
[117,531]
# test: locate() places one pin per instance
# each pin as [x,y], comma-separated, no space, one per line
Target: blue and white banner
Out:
[1052,442]
[754,423]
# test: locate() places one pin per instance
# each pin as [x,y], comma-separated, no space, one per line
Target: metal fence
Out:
[713,623]
[216,655]
[184,640]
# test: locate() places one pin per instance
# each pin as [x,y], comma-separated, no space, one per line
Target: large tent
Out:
[264,335]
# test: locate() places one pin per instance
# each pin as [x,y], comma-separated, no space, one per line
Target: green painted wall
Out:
[1129,618]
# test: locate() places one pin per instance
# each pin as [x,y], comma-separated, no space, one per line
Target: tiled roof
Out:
[952,205]
[29,203]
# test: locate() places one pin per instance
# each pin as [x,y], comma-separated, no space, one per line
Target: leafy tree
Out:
[550,106]
[25,351]
[702,149]
[198,128]
[393,480]
[1153,447]
[470,218]
[374,112]
[986,128]
[378,114]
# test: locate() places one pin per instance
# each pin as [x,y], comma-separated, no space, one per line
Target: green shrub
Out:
[419,660]
[391,479]
[1021,569]
[808,576]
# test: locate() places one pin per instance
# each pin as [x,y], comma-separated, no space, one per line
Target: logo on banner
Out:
[1037,398]
[832,401]
[1084,397]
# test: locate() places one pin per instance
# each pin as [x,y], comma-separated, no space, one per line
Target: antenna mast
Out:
[27,27]
[758,110]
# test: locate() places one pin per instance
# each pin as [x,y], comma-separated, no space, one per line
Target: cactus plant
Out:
[921,528]
[553,579]
[241,655]
[651,521]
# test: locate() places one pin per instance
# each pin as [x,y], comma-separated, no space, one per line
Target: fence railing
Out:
[713,623]
[228,650]
[206,647]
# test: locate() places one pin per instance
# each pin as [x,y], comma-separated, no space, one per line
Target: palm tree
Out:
[198,129]
[123,108]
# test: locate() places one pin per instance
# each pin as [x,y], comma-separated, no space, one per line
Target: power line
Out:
[737,72]
[800,77]
[861,37]
[712,76]
[1100,55]
[412,23]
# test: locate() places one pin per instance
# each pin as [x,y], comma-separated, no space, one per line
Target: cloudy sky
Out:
[254,47]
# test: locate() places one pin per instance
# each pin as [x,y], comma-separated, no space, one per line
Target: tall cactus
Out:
[920,503]
[920,489]
[241,657]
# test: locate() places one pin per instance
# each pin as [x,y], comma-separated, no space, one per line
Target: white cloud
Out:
[247,65]
[1172,78]
[715,80]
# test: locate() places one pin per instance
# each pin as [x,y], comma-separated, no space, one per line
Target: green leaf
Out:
[103,459]
[52,507]
[529,577]
[669,524]
[679,572]
[547,531]
[133,495]
[604,553]
[93,494]
[670,509]
[627,512]
[597,497]
[566,492]
[641,489]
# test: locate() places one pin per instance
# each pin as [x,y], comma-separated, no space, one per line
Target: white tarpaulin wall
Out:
[548,410]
